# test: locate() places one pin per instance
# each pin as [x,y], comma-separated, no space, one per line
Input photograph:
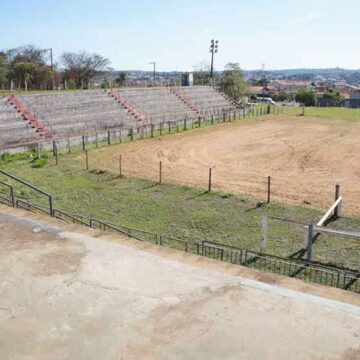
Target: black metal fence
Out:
[261,261]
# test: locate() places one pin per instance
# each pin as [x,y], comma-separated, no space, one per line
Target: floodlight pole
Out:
[213,50]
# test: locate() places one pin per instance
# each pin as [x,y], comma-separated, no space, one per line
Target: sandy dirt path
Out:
[305,157]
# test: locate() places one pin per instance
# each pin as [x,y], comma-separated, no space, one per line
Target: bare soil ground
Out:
[305,157]
[68,292]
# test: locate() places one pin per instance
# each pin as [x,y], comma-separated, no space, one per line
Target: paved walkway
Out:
[67,295]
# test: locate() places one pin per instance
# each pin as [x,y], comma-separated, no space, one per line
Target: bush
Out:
[306,97]
[39,163]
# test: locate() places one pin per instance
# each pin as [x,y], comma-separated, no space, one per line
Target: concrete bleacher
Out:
[13,128]
[65,114]
[79,112]
[156,104]
[207,99]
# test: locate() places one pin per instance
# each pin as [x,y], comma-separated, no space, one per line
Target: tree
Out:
[201,73]
[120,80]
[233,82]
[26,72]
[306,97]
[336,97]
[27,66]
[3,69]
[81,67]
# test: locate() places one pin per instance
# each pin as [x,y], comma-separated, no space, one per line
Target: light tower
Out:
[213,50]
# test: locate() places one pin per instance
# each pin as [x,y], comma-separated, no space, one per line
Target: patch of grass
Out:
[178,211]
[8,158]
[39,163]
[327,113]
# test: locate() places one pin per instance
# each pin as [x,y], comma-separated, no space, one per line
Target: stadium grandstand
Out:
[30,118]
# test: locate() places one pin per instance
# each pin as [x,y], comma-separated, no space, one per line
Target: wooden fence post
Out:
[54,146]
[185,121]
[120,167]
[209,187]
[38,151]
[268,189]
[69,145]
[212,119]
[160,172]
[309,244]
[132,133]
[87,159]
[152,130]
[97,140]
[56,156]
[83,142]
[108,138]
[161,128]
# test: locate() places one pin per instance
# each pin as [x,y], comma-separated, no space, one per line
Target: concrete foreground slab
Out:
[72,295]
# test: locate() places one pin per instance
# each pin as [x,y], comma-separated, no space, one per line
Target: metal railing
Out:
[261,261]
[295,269]
[23,204]
[23,182]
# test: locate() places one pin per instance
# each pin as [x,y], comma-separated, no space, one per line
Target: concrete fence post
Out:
[337,210]
[264,233]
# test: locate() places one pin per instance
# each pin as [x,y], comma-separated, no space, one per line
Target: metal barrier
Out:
[11,176]
[221,252]
[351,282]
[134,233]
[75,218]
[323,275]
[21,204]
[10,198]
[177,244]
[299,270]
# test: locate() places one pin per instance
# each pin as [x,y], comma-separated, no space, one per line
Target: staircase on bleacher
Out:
[29,116]
[126,105]
[185,99]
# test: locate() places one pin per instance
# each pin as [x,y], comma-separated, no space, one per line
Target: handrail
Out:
[31,187]
[11,192]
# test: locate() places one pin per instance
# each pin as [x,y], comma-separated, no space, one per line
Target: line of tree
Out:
[232,81]
[29,68]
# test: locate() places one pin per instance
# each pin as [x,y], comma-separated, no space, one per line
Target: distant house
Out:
[353,101]
[289,86]
[326,102]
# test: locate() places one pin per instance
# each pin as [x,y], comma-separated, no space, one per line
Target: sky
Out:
[282,34]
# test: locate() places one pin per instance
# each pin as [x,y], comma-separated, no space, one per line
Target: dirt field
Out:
[304,156]
[68,292]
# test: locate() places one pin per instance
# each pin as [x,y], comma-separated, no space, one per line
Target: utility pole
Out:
[213,50]
[264,80]
[51,67]
[154,71]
